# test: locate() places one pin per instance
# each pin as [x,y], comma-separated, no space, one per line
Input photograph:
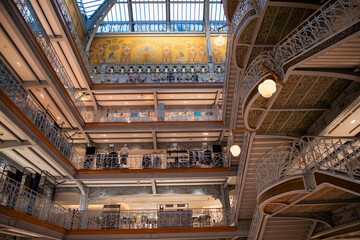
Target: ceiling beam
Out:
[329,72]
[13,144]
[189,127]
[35,84]
[93,23]
[18,139]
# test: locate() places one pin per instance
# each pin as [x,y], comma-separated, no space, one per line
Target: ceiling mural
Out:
[153,49]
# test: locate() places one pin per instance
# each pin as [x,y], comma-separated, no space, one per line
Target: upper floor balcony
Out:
[23,203]
[158,73]
[337,157]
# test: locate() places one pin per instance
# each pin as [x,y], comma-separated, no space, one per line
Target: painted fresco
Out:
[148,50]
[219,53]
[75,19]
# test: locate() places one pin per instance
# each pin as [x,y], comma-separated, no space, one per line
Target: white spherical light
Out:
[267,88]
[219,41]
[235,150]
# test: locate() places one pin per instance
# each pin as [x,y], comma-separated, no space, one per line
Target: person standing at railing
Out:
[124,152]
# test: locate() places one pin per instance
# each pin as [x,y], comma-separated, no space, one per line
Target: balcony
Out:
[154,115]
[16,196]
[38,116]
[338,157]
[158,73]
[154,161]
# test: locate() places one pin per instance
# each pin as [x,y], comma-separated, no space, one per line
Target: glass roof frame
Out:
[158,15]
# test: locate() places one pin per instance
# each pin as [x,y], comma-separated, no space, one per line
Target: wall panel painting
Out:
[148,50]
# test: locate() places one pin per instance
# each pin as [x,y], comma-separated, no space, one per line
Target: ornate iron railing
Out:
[239,177]
[330,19]
[338,156]
[154,115]
[255,224]
[155,73]
[12,88]
[17,196]
[27,11]
[242,8]
[155,161]
[79,44]
[21,198]
[136,219]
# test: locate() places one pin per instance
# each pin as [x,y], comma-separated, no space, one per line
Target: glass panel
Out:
[119,13]
[216,12]
[186,12]
[149,12]
[89,6]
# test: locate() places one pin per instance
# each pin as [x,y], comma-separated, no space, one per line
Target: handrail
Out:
[151,218]
[155,161]
[116,76]
[301,138]
[337,156]
[12,88]
[15,195]
[330,19]
[27,11]
[154,115]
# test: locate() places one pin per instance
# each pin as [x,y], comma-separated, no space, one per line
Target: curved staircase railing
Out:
[339,156]
[332,18]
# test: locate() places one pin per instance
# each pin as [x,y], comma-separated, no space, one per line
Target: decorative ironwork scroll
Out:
[337,156]
[329,20]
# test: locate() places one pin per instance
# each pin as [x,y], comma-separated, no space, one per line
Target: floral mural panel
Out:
[75,18]
[152,49]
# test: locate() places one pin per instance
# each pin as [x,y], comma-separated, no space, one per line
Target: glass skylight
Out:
[118,13]
[90,6]
[149,11]
[150,15]
[186,12]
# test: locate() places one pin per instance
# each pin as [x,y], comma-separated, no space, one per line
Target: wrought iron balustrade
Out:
[17,196]
[67,16]
[239,177]
[27,11]
[161,218]
[242,8]
[157,73]
[21,198]
[12,88]
[329,20]
[337,156]
[154,161]
[255,224]
[154,115]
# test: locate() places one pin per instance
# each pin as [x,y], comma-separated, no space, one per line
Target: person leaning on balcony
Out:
[124,152]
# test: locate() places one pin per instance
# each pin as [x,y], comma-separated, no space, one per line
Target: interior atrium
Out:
[180,119]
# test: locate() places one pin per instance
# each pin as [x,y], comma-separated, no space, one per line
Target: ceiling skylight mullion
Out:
[117,12]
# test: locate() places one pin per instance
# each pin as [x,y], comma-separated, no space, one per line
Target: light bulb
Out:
[219,41]
[235,150]
[267,88]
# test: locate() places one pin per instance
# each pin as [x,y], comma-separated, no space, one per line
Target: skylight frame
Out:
[159,15]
